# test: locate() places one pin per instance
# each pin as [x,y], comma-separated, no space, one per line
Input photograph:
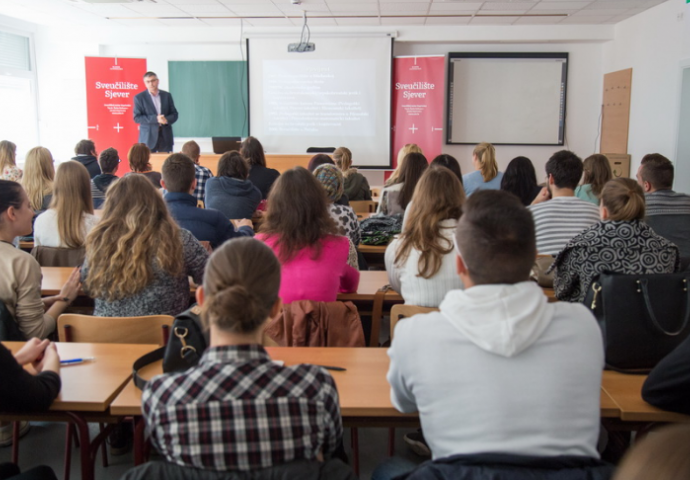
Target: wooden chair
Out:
[403,311]
[375,193]
[363,206]
[152,329]
[58,257]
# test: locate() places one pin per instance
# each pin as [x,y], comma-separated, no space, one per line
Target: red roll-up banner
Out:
[111,84]
[418,102]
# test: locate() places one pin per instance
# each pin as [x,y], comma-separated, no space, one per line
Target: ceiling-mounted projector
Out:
[301,47]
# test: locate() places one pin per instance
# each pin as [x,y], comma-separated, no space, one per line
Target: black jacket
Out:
[496,466]
[263,178]
[331,470]
[90,162]
[22,392]
[668,385]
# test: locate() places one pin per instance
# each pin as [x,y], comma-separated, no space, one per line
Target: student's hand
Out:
[49,362]
[31,351]
[245,223]
[542,196]
[71,287]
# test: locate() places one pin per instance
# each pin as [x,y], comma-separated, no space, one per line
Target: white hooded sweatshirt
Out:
[499,369]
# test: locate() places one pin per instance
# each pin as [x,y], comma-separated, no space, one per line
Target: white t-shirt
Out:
[46,228]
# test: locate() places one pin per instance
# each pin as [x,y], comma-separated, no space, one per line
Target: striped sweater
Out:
[667,202]
[558,220]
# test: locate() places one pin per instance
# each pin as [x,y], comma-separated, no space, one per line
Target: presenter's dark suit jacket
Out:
[147,118]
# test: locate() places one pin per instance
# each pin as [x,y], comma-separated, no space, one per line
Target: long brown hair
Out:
[253,152]
[8,155]
[413,167]
[136,233]
[138,157]
[241,285]
[597,172]
[486,156]
[38,177]
[297,213]
[71,201]
[659,456]
[438,196]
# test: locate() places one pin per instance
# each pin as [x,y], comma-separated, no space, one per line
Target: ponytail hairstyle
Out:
[8,155]
[343,160]
[241,285]
[624,199]
[38,177]
[486,155]
[597,172]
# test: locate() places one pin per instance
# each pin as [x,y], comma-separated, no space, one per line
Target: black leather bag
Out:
[642,317]
[9,330]
[186,344]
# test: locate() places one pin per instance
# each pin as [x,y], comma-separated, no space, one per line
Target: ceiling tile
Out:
[598,13]
[560,5]
[536,20]
[222,22]
[154,10]
[346,21]
[495,20]
[107,10]
[144,22]
[353,7]
[405,8]
[181,22]
[593,20]
[449,7]
[402,21]
[256,10]
[448,20]
[271,22]
[192,2]
[201,10]
[502,6]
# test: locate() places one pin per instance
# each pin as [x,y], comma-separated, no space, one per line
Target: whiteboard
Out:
[507,98]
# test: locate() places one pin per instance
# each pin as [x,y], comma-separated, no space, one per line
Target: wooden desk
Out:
[210,160]
[626,391]
[27,246]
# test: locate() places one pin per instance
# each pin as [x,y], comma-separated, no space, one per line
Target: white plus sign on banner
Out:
[118,127]
[413,128]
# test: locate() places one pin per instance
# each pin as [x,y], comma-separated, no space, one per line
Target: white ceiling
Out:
[259,13]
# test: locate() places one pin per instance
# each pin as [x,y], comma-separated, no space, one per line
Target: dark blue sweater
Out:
[205,224]
[233,197]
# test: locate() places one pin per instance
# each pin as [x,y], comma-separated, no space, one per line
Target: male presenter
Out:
[155,113]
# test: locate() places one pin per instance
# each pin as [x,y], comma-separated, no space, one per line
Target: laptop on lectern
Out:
[225,144]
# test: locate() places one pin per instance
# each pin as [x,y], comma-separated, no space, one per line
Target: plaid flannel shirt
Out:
[237,410]
[202,174]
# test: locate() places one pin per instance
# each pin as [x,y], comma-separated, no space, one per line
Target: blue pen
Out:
[76,361]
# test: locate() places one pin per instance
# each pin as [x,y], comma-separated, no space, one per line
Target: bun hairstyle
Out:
[241,285]
[486,155]
[624,199]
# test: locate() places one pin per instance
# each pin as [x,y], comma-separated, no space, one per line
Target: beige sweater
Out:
[20,291]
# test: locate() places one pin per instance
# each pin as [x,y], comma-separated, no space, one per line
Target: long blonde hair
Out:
[486,156]
[39,174]
[136,234]
[402,153]
[439,196]
[8,155]
[71,201]
[342,156]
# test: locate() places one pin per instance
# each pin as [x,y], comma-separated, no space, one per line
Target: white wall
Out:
[651,43]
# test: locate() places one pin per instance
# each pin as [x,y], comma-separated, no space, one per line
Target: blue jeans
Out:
[393,467]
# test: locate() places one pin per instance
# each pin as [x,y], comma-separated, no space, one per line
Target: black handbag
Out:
[642,317]
[186,344]
[9,329]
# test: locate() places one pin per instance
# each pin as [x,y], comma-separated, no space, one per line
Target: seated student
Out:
[402,153]
[448,161]
[20,282]
[137,259]
[318,160]
[558,214]
[668,212]
[109,162]
[86,154]
[260,175]
[520,179]
[317,262]
[249,411]
[620,243]
[138,158]
[663,455]
[486,174]
[70,216]
[668,384]
[230,192]
[394,198]
[179,180]
[356,185]
[517,375]
[332,180]
[8,162]
[192,150]
[420,262]
[597,172]
[39,174]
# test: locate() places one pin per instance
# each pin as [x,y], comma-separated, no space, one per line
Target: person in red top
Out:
[317,262]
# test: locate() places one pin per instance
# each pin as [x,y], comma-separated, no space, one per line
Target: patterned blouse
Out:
[347,221]
[611,246]
[12,173]
[238,410]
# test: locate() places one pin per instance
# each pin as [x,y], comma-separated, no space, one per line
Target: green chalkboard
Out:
[211,98]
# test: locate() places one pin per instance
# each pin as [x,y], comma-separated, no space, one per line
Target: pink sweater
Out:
[320,280]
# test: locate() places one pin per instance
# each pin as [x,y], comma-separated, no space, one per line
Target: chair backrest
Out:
[404,311]
[375,193]
[320,149]
[58,257]
[152,329]
[363,206]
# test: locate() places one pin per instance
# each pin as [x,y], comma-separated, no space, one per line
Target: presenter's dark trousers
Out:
[161,146]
